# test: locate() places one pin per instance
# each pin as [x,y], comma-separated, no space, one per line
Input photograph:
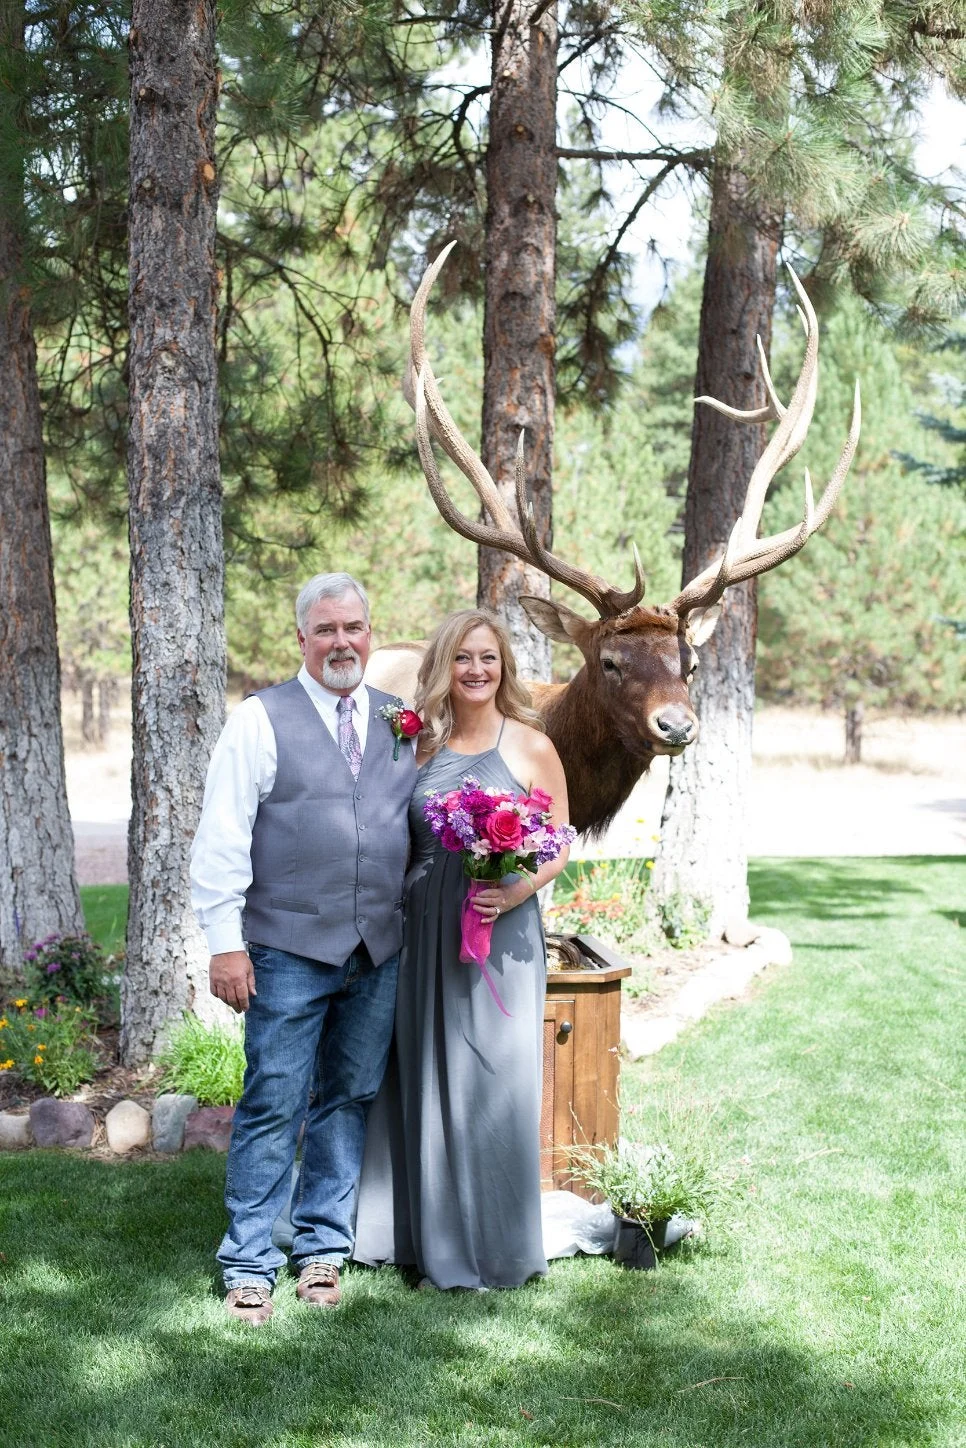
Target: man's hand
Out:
[231,976]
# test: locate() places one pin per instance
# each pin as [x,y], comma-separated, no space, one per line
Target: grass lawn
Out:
[105,914]
[826,1310]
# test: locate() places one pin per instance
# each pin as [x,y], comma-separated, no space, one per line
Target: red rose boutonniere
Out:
[404,723]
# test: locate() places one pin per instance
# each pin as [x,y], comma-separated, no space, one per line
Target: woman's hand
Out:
[498,899]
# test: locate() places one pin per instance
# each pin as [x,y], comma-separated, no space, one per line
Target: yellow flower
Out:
[38,1060]
[41,1046]
[649,864]
[3,1022]
[21,1003]
[5,1065]
[31,1027]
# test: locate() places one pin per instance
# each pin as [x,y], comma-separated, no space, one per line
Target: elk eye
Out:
[609,666]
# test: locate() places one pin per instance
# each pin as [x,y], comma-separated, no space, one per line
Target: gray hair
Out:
[327,585]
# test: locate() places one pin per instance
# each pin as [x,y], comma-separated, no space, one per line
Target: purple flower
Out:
[53,967]
[40,1012]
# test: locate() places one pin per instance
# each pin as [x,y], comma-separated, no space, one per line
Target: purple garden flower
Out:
[53,967]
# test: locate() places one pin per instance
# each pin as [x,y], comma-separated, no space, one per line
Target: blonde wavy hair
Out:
[433,704]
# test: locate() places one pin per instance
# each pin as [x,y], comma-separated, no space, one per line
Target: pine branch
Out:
[697,159]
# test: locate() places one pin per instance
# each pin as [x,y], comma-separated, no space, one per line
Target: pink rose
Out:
[541,799]
[409,723]
[504,830]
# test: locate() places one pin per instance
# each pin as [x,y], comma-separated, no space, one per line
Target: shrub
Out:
[684,920]
[70,967]
[204,1061]
[612,899]
[647,1184]
[49,1045]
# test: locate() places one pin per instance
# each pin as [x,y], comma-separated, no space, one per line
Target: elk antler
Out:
[518,537]
[747,555]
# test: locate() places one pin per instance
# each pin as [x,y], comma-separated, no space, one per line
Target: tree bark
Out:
[177,613]
[38,887]
[106,694]
[89,731]
[853,733]
[703,851]
[519,316]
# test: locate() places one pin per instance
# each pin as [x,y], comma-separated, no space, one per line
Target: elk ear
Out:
[701,625]
[555,620]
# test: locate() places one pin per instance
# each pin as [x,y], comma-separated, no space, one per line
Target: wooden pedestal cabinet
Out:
[581,1036]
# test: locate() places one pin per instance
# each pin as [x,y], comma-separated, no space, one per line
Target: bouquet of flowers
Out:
[496,833]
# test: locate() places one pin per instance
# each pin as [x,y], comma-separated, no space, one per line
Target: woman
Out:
[451,1180]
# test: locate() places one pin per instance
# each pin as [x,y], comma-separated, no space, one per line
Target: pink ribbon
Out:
[475,937]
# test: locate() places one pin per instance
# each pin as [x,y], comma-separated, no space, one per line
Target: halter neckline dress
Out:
[451,1177]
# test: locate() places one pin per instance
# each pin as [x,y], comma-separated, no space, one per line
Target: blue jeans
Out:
[324,1027]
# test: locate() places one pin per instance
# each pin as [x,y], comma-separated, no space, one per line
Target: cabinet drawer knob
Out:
[566,1027]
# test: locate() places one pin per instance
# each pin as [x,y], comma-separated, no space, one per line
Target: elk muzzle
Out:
[671,729]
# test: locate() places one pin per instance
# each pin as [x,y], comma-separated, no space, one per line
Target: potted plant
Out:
[654,1193]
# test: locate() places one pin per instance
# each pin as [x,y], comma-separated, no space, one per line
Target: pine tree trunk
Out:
[177,617]
[89,732]
[854,715]
[703,850]
[106,690]
[38,888]
[519,317]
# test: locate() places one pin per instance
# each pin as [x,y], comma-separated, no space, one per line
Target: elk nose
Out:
[674,725]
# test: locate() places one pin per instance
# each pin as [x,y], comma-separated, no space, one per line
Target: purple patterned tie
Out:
[348,738]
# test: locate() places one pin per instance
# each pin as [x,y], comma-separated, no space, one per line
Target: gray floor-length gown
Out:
[451,1178]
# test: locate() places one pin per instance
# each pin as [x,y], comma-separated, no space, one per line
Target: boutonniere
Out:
[404,723]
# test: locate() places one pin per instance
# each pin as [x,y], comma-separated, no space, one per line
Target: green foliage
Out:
[68,967]
[608,898]
[858,615]
[50,1045]
[647,1183]
[684,920]
[203,1061]
[611,899]
[947,420]
[813,106]
[91,571]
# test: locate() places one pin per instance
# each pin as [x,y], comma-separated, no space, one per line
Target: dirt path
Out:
[908,797]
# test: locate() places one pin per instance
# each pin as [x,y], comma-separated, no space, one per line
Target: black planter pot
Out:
[634,1243]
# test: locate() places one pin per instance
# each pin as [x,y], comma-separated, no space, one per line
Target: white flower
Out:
[479,849]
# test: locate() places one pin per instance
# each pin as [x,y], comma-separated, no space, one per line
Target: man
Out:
[301,853]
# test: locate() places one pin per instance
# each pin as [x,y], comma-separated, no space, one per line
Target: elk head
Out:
[630,701]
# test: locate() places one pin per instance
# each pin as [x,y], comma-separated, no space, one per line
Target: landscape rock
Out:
[776,945]
[209,1126]
[741,931]
[61,1123]
[171,1111]
[644,1035]
[14,1131]
[128,1125]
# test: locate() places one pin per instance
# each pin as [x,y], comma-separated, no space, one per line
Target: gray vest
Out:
[329,852]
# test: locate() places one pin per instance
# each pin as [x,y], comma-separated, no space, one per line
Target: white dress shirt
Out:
[241,774]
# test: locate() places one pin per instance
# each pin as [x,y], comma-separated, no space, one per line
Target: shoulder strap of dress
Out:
[500,735]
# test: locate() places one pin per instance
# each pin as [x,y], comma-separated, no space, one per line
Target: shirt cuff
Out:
[224,936]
